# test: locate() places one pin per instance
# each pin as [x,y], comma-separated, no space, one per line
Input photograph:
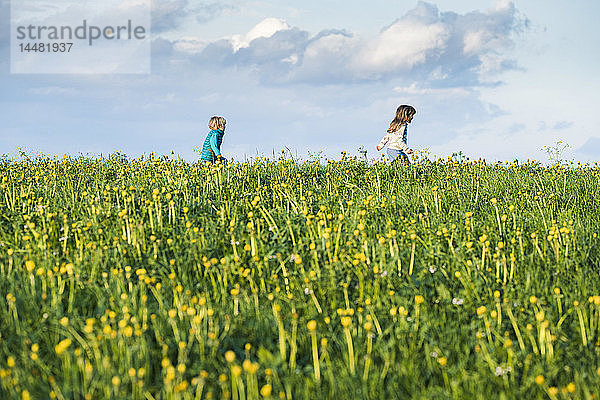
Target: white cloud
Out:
[265,29]
[473,41]
[436,48]
[503,5]
[326,59]
[402,46]
[189,44]
[293,59]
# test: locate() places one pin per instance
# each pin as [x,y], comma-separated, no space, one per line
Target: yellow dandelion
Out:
[29,265]
[230,356]
[266,390]
[62,346]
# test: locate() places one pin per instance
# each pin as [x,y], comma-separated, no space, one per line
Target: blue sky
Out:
[493,79]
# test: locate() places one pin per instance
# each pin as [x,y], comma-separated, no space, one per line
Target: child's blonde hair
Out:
[217,123]
[403,114]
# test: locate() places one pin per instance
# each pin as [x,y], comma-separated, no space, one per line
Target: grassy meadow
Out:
[165,279]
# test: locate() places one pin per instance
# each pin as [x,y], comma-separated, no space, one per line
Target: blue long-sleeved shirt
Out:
[212,145]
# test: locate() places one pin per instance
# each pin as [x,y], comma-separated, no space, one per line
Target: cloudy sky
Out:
[493,79]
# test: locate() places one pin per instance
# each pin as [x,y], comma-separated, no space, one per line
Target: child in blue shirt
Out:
[211,150]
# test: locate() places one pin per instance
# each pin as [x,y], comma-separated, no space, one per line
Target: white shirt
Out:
[396,140]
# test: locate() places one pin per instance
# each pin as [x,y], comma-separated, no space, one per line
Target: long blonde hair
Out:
[403,114]
[217,123]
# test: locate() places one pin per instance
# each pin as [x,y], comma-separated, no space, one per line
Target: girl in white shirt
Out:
[396,136]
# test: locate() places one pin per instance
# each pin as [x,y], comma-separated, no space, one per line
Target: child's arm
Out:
[213,145]
[383,141]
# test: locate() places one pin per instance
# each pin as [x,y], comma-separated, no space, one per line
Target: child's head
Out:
[217,123]
[404,114]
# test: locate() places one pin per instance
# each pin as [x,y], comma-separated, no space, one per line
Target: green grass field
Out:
[174,280]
